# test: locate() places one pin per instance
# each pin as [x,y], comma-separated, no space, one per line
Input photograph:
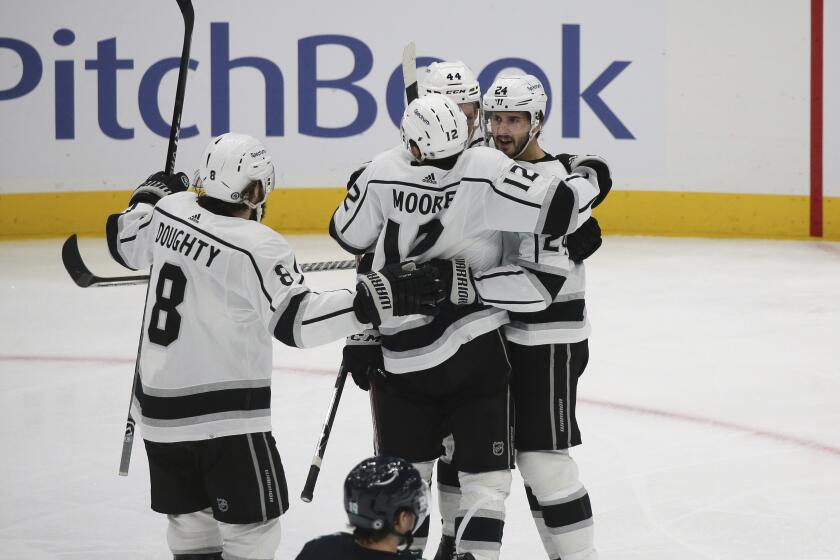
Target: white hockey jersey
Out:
[220,287]
[565,319]
[403,209]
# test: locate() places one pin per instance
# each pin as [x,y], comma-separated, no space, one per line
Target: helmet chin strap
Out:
[525,147]
[531,134]
[258,212]
[257,207]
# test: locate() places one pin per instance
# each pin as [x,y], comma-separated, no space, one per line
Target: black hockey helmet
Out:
[379,487]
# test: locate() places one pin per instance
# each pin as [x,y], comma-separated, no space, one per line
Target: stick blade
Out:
[73,263]
[409,70]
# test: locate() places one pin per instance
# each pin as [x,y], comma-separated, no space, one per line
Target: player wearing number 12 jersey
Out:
[431,200]
[221,286]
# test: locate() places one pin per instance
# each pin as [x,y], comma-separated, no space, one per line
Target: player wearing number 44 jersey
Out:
[221,286]
[435,201]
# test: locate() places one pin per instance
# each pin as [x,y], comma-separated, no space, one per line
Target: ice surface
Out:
[710,409]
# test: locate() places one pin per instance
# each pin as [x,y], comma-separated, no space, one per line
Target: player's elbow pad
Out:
[552,283]
[344,245]
[596,170]
[557,214]
[287,328]
[112,235]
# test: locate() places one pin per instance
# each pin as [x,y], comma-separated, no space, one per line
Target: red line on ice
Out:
[683,417]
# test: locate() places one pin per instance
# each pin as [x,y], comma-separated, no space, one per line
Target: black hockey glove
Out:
[158,185]
[397,290]
[596,170]
[566,160]
[362,357]
[584,241]
[458,283]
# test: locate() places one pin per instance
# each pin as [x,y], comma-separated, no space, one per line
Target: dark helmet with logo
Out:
[380,487]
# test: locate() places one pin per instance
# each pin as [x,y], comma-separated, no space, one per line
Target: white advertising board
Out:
[86,88]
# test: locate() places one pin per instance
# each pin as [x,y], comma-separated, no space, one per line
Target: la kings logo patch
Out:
[498,448]
[222,504]
[430,178]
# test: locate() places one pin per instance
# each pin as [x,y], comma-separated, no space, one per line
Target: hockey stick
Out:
[84,278]
[320,449]
[189,17]
[409,71]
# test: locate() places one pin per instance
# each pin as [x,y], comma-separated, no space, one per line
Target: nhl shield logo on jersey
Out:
[222,504]
[498,448]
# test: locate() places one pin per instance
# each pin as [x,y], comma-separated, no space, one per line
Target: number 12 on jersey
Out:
[427,236]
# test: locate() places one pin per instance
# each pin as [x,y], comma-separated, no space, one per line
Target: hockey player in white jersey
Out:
[221,285]
[548,349]
[457,81]
[454,79]
[433,199]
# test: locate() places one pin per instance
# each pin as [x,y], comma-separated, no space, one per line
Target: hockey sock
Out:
[449,495]
[421,537]
[566,510]
[537,514]
[421,533]
[480,521]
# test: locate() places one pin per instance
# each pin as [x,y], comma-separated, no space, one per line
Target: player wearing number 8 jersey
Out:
[221,286]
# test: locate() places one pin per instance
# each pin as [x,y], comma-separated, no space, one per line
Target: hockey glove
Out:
[397,290]
[596,170]
[584,241]
[157,186]
[566,160]
[457,279]
[362,357]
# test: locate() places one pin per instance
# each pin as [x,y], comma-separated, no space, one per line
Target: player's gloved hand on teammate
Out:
[566,160]
[595,169]
[584,241]
[457,279]
[362,357]
[158,185]
[396,290]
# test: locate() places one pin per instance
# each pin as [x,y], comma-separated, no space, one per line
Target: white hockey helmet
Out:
[436,125]
[522,92]
[456,81]
[231,162]
[453,79]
